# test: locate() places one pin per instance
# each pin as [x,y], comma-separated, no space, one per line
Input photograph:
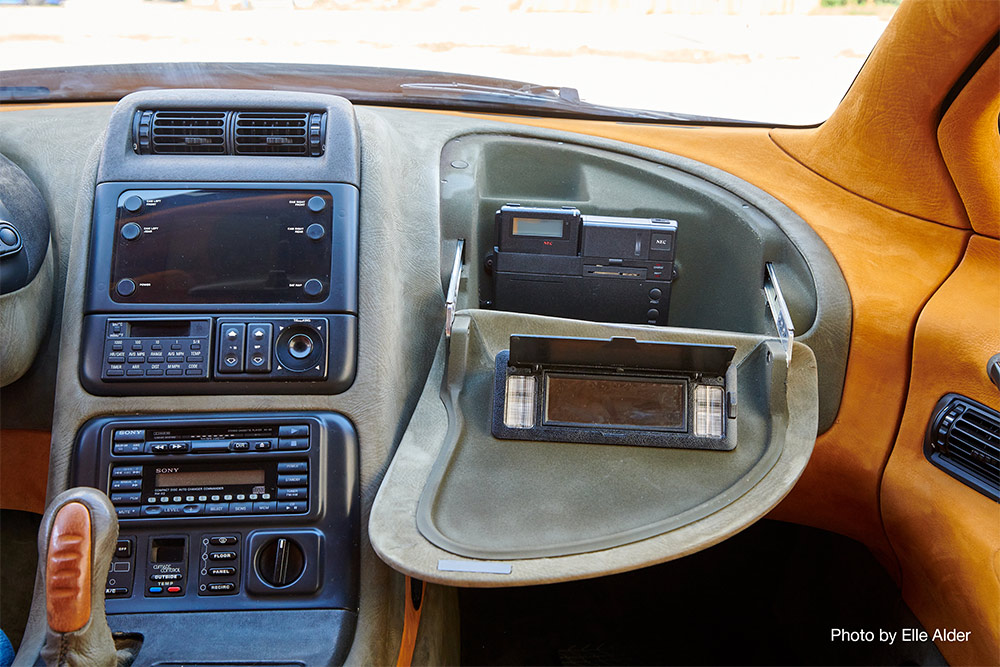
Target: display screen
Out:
[223,246]
[613,401]
[184,479]
[167,550]
[546,227]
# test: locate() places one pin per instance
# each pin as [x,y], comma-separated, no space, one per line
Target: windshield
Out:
[774,61]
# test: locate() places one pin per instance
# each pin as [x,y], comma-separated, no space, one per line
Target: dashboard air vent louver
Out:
[964,440]
[188,132]
[252,133]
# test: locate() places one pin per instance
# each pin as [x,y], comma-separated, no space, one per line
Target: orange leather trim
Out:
[411,624]
[24,469]
[892,262]
[970,144]
[37,106]
[946,535]
[881,142]
[67,569]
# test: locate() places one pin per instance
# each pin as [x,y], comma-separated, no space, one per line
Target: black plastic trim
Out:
[937,454]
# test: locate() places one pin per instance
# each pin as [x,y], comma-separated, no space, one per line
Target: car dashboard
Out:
[309,347]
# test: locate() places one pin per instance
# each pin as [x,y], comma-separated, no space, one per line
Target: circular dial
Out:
[280,562]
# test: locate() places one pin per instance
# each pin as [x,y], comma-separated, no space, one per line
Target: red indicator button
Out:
[173,589]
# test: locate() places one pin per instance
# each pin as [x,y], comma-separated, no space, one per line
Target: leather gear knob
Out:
[75,546]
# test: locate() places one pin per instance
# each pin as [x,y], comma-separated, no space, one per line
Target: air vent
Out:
[252,133]
[964,440]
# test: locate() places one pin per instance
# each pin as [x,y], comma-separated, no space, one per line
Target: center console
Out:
[215,271]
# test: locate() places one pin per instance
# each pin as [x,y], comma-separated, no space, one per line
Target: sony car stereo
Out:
[228,511]
[559,262]
[212,288]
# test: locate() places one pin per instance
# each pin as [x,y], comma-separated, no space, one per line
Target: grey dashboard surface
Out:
[401,312]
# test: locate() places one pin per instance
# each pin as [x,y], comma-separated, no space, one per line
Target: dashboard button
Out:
[292,480]
[222,587]
[131,231]
[293,466]
[316,204]
[293,431]
[133,203]
[125,287]
[126,498]
[293,444]
[245,507]
[294,493]
[123,549]
[264,507]
[312,287]
[315,231]
[292,506]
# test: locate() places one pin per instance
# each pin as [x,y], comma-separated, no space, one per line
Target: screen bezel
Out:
[342,296]
[264,216]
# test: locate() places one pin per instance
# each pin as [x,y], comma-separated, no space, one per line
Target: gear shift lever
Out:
[79,532]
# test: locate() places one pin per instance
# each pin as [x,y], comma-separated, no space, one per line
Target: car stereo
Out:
[227,511]
[559,262]
[223,287]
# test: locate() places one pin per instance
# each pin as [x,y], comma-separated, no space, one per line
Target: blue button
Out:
[155,589]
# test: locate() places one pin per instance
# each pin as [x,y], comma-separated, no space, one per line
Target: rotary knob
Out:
[281,562]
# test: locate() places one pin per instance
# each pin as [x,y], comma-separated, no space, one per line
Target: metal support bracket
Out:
[779,311]
[451,300]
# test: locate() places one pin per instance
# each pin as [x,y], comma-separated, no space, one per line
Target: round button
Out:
[231,334]
[655,294]
[313,287]
[258,334]
[131,231]
[125,287]
[133,203]
[300,346]
[315,231]
[316,204]
[8,236]
[652,314]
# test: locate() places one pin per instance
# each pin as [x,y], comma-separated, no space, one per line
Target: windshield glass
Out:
[776,61]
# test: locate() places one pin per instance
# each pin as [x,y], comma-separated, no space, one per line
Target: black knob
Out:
[133,203]
[125,287]
[131,231]
[312,287]
[281,562]
[316,204]
[315,231]
[300,346]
